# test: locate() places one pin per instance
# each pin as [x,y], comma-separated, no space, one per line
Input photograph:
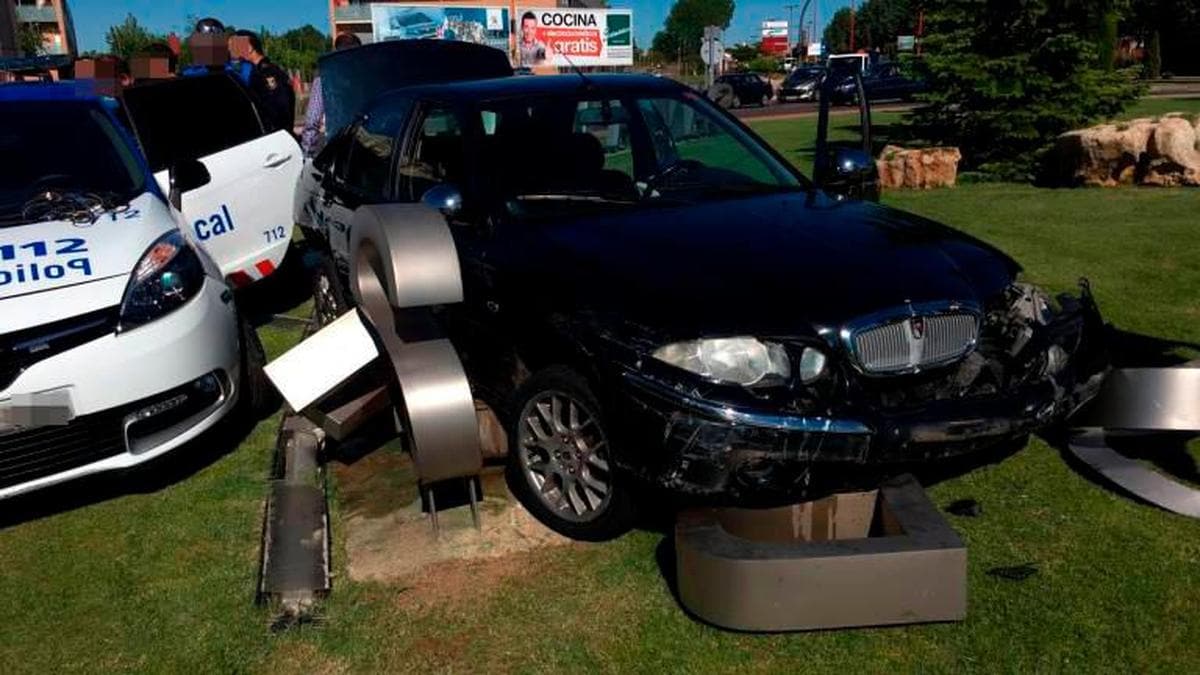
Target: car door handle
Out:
[273,160]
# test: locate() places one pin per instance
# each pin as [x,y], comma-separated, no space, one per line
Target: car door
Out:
[243,215]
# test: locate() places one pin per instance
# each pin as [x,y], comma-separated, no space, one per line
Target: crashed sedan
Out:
[654,296]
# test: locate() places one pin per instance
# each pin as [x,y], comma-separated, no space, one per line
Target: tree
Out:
[296,49]
[29,39]
[129,38]
[745,52]
[684,28]
[1177,23]
[1154,56]
[837,33]
[1006,78]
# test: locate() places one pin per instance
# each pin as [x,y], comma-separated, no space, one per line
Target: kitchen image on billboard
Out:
[480,25]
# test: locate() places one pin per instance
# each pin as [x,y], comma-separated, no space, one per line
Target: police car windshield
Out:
[62,146]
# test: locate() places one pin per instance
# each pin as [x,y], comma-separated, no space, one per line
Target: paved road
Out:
[789,110]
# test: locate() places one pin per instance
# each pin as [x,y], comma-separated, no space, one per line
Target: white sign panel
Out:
[583,37]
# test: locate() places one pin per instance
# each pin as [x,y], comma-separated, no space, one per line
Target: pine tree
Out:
[1006,78]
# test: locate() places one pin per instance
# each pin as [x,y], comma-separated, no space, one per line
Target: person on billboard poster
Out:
[533,51]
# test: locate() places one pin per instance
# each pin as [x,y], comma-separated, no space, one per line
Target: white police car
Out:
[119,337]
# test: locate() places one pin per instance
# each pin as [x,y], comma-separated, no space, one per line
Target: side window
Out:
[608,123]
[681,133]
[191,118]
[371,144]
[436,154]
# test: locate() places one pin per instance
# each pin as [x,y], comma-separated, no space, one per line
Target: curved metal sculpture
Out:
[404,259]
[1142,400]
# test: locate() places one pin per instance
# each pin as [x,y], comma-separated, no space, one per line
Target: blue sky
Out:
[93,17]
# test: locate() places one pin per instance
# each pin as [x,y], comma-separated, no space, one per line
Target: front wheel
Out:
[561,465]
[258,394]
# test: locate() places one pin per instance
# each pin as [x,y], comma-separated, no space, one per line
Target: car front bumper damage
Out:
[710,449]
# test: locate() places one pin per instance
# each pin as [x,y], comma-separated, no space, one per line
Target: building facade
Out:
[50,18]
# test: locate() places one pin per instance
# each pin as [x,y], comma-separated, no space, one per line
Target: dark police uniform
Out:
[271,85]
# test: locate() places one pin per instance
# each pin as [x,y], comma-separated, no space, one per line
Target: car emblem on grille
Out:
[917,326]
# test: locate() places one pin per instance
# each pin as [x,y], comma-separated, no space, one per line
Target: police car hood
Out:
[55,270]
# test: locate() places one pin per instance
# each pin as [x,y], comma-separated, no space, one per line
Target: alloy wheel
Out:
[563,454]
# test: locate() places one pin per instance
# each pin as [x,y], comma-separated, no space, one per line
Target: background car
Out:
[802,84]
[117,316]
[735,90]
[882,83]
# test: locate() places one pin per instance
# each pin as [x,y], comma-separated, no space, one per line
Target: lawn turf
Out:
[157,574]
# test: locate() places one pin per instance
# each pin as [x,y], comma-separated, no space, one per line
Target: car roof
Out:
[538,85]
[80,90]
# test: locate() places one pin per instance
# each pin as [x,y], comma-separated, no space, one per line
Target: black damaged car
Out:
[654,296]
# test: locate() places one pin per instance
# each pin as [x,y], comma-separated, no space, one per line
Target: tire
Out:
[560,464]
[258,394]
[330,297]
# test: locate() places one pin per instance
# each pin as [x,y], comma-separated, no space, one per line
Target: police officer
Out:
[268,81]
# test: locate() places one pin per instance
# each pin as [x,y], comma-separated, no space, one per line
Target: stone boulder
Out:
[1144,151]
[918,169]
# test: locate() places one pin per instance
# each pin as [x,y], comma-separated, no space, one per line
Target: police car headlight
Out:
[168,275]
[741,360]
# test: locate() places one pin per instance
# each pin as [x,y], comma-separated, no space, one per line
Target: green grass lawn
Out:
[150,574]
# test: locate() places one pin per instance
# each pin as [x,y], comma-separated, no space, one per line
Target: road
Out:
[790,110]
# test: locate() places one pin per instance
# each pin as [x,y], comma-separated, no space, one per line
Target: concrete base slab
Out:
[869,559]
[389,536]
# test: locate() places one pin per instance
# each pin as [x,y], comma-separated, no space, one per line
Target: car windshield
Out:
[632,151]
[65,148]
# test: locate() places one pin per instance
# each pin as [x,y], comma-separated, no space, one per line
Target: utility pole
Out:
[852,49]
[790,9]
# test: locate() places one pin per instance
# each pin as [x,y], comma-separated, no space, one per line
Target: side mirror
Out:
[186,175]
[853,174]
[446,198]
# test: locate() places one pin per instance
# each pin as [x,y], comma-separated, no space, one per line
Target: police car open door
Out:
[235,179]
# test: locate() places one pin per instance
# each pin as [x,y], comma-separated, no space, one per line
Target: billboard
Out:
[583,37]
[480,25]
[775,40]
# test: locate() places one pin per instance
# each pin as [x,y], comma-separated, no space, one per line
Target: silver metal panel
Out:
[408,247]
[1147,399]
[404,258]
[1141,400]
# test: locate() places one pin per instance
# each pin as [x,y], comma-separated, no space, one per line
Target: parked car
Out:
[119,335]
[802,84]
[882,83]
[739,89]
[654,296]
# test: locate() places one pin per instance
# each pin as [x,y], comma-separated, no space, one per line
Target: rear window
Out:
[191,118]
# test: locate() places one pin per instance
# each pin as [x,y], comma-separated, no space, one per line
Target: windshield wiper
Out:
[573,197]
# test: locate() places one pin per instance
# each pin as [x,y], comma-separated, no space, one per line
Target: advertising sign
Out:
[775,36]
[480,25]
[583,37]
[906,43]
[774,29]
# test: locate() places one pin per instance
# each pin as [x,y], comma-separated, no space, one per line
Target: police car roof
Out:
[540,85]
[79,90]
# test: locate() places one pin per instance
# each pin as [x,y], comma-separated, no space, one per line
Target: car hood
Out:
[61,269]
[778,265]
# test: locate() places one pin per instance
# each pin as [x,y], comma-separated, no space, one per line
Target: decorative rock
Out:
[1145,151]
[918,168]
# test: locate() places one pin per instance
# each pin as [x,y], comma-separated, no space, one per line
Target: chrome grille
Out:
[915,343]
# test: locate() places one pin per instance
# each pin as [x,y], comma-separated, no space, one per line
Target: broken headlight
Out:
[740,360]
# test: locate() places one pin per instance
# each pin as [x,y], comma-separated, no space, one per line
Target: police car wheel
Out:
[560,465]
[258,396]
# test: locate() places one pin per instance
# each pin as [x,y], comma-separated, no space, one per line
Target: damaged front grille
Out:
[914,342]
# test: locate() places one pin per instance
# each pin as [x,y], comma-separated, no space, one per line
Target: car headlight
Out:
[167,276]
[740,360]
[812,364]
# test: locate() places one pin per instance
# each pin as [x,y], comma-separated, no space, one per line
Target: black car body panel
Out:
[600,286]
[749,88]
[884,82]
